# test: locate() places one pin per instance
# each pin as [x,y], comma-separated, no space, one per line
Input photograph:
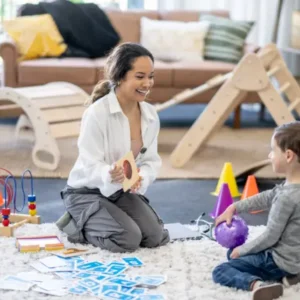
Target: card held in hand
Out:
[131,173]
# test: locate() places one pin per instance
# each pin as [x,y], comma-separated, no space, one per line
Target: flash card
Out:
[123,282]
[89,266]
[118,295]
[151,297]
[130,170]
[133,261]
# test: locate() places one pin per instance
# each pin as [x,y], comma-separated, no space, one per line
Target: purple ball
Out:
[233,235]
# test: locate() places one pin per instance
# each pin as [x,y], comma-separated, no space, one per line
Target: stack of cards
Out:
[74,275]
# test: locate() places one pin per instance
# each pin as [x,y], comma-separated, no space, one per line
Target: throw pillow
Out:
[35,36]
[174,40]
[225,38]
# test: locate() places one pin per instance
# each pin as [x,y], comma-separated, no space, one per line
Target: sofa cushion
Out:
[189,15]
[225,39]
[44,70]
[187,74]
[36,36]
[127,23]
[162,74]
[160,37]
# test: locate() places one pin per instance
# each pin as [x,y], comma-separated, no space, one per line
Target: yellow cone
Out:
[227,176]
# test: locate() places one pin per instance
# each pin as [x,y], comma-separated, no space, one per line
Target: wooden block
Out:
[15,218]
[130,169]
[6,231]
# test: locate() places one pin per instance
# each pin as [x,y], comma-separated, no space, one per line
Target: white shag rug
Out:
[188,266]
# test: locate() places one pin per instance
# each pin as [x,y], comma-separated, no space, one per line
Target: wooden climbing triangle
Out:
[252,74]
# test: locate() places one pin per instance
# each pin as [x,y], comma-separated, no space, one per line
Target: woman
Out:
[116,121]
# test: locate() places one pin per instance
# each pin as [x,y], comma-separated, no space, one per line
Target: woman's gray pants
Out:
[120,223]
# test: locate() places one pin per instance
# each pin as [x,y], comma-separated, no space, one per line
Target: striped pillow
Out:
[225,38]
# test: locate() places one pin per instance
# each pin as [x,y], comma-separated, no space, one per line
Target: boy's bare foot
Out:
[267,291]
[291,280]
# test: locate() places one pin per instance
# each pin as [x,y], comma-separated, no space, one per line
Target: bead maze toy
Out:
[252,74]
[11,221]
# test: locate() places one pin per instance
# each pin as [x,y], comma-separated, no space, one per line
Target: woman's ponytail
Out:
[100,90]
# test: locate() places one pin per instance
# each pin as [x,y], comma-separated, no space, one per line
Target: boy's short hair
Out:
[287,137]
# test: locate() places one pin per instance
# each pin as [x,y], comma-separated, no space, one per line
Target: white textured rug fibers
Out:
[187,265]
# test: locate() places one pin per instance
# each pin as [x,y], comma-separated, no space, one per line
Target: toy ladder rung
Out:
[284,87]
[272,71]
[294,104]
[67,129]
[55,115]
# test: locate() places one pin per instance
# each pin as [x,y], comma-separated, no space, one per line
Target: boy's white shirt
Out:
[105,138]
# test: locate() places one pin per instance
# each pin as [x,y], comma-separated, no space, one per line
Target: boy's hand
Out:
[226,215]
[117,174]
[235,253]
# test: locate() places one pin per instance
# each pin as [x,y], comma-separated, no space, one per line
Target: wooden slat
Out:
[62,130]
[45,91]
[65,101]
[294,104]
[62,115]
[46,103]
[284,87]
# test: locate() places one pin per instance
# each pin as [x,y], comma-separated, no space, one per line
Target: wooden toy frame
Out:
[252,74]
[17,220]
[53,111]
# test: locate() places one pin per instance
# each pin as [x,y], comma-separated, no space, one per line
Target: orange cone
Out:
[1,200]
[250,189]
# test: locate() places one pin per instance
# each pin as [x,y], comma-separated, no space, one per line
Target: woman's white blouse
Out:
[105,138]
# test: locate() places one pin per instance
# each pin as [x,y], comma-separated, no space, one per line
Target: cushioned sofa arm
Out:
[9,54]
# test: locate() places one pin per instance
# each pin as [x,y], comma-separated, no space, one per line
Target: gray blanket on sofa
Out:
[85,27]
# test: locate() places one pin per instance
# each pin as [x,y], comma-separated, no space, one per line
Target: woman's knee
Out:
[130,240]
[126,241]
[158,236]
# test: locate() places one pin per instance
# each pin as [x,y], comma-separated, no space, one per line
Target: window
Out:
[9,8]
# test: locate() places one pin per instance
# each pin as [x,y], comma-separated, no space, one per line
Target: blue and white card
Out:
[78,290]
[125,289]
[123,282]
[83,275]
[109,287]
[115,270]
[101,269]
[133,261]
[89,266]
[138,291]
[89,283]
[119,295]
[101,278]
[151,297]
[150,281]
[116,263]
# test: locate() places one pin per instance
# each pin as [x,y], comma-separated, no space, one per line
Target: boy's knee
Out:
[217,272]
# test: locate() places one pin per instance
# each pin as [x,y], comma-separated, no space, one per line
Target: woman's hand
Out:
[226,216]
[117,174]
[134,189]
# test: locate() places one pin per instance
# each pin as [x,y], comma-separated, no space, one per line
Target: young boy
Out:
[264,264]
